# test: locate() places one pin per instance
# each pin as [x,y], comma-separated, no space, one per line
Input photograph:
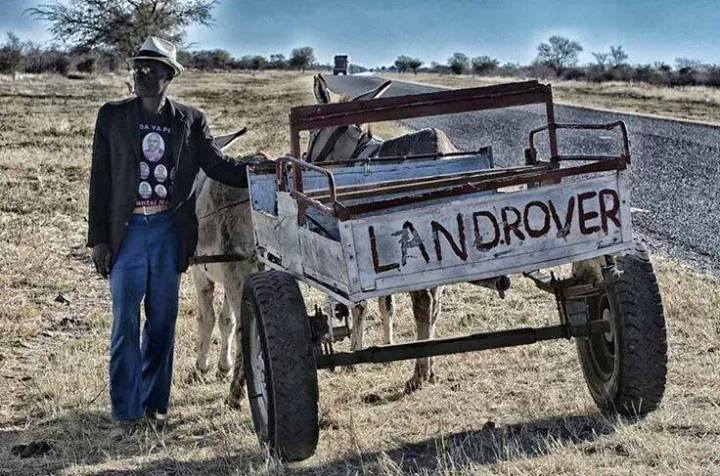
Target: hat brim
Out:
[176,67]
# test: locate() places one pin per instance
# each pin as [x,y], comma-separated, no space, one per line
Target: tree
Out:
[11,54]
[661,66]
[601,58]
[559,54]
[484,64]
[121,25]
[618,56]
[277,61]
[302,58]
[436,67]
[402,63]
[252,62]
[459,63]
[688,63]
[414,64]
[209,59]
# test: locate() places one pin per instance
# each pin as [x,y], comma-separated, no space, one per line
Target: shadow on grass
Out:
[486,446]
[468,448]
[82,437]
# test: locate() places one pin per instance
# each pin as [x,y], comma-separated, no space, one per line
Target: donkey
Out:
[355,141]
[224,228]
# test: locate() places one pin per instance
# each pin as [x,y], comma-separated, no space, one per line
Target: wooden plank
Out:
[287,234]
[360,174]
[498,232]
[477,272]
[265,227]
[339,297]
[323,259]
[478,184]
[263,188]
[348,247]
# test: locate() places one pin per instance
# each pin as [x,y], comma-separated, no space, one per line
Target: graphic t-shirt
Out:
[156,161]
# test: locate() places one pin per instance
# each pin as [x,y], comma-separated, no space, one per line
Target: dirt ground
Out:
[692,103]
[513,411]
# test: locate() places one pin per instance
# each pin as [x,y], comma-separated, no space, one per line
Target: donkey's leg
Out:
[386,305]
[226,323]
[234,274]
[358,326]
[204,288]
[426,308]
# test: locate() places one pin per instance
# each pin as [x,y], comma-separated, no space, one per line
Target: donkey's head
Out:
[338,142]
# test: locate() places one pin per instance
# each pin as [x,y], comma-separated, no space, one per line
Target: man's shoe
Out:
[157,420]
[123,430]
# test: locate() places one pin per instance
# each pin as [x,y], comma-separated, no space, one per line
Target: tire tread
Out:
[293,431]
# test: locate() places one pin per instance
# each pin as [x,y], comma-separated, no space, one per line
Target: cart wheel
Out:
[625,369]
[280,365]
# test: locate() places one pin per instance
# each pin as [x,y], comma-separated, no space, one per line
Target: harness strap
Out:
[330,144]
[362,142]
[217,210]
[225,258]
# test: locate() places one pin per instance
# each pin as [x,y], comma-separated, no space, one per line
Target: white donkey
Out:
[224,228]
[355,141]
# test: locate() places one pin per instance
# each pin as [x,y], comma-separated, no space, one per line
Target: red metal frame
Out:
[304,118]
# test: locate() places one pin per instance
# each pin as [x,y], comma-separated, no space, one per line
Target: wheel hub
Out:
[607,317]
[602,346]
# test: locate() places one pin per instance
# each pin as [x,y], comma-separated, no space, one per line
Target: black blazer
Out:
[114,173]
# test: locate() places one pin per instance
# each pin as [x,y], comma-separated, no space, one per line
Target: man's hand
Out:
[257,158]
[102,257]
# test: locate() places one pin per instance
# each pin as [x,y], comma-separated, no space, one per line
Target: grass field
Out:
[511,411]
[693,103]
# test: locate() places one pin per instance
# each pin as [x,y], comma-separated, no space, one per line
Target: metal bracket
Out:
[571,297]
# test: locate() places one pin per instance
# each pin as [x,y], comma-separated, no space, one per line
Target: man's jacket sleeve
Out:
[215,164]
[100,183]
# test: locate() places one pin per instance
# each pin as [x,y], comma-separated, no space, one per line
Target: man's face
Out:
[153,144]
[151,78]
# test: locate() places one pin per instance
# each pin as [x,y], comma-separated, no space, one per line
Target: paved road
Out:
[674,176]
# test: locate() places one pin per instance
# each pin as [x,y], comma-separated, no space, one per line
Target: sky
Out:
[375,32]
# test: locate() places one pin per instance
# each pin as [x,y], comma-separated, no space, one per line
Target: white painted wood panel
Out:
[381,172]
[498,234]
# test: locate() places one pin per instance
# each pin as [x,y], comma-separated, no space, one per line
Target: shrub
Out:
[484,65]
[573,74]
[46,61]
[86,65]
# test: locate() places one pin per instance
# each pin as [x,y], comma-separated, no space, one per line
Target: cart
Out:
[360,229]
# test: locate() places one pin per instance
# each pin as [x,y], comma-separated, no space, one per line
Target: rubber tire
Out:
[636,384]
[272,301]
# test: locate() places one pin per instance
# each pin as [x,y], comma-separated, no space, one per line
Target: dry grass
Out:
[694,103]
[517,411]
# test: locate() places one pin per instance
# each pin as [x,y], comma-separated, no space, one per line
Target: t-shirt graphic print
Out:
[155,166]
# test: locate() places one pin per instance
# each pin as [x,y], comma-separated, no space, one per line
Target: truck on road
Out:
[341,65]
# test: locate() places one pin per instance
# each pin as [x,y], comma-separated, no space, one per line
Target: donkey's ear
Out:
[224,141]
[320,88]
[375,93]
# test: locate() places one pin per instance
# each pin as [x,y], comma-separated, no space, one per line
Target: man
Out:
[146,153]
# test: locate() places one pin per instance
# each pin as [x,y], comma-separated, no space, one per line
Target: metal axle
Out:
[454,345]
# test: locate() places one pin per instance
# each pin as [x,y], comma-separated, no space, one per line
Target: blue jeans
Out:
[146,266]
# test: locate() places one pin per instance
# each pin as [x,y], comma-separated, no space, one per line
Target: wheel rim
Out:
[259,383]
[602,346]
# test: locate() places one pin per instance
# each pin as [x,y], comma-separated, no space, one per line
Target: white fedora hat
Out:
[157,49]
